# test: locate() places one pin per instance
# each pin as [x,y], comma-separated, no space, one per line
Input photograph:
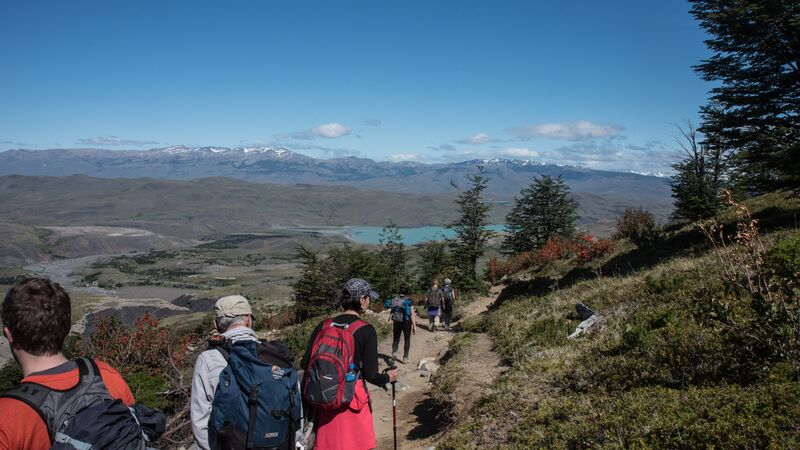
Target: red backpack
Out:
[331,374]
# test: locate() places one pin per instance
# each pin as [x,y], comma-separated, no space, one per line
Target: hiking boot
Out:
[394,358]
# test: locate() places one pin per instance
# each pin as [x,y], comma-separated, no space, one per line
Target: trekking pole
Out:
[394,407]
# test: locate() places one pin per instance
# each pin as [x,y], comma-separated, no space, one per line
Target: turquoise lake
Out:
[411,236]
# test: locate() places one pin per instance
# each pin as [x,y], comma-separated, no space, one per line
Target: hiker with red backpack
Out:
[404,321]
[434,302]
[60,403]
[341,357]
[245,391]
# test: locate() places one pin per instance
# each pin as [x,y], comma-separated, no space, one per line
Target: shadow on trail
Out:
[429,420]
[386,358]
[538,286]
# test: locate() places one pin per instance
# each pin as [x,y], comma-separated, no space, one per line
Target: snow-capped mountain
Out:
[283,166]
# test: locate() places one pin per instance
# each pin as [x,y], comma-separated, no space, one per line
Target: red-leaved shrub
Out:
[591,248]
[584,248]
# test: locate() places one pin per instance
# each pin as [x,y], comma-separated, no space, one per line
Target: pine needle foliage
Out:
[754,108]
[472,236]
[544,209]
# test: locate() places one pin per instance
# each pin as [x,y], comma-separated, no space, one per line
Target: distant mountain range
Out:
[612,190]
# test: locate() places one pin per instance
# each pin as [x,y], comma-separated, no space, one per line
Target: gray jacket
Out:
[204,383]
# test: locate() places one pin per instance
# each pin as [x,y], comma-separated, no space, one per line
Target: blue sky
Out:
[593,83]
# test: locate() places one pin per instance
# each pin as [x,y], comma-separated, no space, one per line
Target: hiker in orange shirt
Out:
[36,320]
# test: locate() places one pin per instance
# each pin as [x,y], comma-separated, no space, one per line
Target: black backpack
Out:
[87,416]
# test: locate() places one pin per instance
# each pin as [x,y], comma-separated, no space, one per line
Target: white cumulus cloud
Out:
[331,130]
[114,141]
[475,139]
[520,153]
[573,131]
[403,157]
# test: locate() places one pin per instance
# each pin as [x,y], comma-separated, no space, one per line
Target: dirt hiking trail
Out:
[417,424]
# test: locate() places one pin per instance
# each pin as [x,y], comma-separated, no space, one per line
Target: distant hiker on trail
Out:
[60,401]
[259,378]
[450,298]
[342,409]
[434,301]
[404,321]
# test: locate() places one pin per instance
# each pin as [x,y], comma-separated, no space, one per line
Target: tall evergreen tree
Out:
[318,289]
[755,108]
[433,263]
[470,228]
[391,260]
[544,209]
[698,178]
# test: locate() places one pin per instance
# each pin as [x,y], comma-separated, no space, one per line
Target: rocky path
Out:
[417,427]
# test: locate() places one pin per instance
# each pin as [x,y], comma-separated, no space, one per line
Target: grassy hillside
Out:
[688,358]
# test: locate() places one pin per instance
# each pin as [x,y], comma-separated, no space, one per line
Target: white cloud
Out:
[520,153]
[573,131]
[114,141]
[650,157]
[475,139]
[331,130]
[404,157]
[327,131]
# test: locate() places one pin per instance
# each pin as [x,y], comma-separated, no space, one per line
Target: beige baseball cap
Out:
[232,306]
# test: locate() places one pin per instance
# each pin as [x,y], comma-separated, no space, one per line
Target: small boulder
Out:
[427,365]
[584,312]
[592,324]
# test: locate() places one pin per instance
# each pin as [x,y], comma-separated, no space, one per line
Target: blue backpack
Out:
[257,403]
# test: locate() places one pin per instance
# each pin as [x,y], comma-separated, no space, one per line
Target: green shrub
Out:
[639,226]
[784,257]
[10,375]
[296,336]
[150,389]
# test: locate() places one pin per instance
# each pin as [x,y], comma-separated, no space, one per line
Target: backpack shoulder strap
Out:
[34,395]
[222,346]
[357,325]
[275,352]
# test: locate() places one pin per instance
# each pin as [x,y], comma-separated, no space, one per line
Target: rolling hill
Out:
[282,166]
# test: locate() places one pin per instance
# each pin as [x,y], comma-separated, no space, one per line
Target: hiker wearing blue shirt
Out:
[404,321]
